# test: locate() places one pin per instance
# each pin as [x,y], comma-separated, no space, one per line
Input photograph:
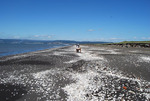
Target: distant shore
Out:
[141,44]
[97,73]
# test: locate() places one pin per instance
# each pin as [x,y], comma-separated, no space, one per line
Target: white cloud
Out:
[99,29]
[2,32]
[109,39]
[90,30]
[146,38]
[43,36]
[143,38]
[99,39]
[114,38]
[16,37]
[36,35]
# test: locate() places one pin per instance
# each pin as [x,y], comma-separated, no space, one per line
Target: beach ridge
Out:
[97,73]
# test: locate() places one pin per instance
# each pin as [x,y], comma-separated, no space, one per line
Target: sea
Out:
[18,46]
[12,49]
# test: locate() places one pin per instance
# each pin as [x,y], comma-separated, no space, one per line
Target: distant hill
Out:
[24,41]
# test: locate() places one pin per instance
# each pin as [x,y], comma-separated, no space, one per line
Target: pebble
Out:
[114,86]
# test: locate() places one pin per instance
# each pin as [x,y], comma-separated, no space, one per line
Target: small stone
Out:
[131,92]
[87,95]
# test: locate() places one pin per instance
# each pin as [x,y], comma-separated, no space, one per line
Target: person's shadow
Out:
[10,92]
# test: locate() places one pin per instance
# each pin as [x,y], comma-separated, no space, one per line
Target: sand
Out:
[61,74]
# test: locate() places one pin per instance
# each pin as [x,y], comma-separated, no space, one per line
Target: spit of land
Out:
[98,73]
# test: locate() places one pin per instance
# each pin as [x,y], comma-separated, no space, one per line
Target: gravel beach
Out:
[98,73]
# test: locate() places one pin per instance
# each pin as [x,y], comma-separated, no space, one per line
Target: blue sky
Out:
[82,20]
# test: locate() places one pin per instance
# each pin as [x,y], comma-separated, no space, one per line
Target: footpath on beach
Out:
[96,74]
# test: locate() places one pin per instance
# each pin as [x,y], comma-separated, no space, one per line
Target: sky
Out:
[80,20]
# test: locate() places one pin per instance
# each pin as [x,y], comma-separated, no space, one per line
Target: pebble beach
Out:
[98,73]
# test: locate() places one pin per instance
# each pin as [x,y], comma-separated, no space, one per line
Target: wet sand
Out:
[96,74]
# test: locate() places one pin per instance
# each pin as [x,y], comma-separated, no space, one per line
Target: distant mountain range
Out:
[24,41]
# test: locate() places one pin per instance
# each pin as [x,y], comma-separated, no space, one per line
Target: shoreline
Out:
[28,51]
[97,73]
[32,52]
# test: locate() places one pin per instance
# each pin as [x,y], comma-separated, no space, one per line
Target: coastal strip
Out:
[97,73]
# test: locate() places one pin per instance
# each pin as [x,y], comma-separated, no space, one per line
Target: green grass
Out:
[129,42]
[124,42]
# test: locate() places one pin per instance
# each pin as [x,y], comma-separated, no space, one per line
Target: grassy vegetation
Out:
[130,42]
[124,42]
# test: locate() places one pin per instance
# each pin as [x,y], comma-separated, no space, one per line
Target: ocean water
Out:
[12,49]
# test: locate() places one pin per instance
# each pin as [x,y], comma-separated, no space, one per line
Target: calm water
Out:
[12,49]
